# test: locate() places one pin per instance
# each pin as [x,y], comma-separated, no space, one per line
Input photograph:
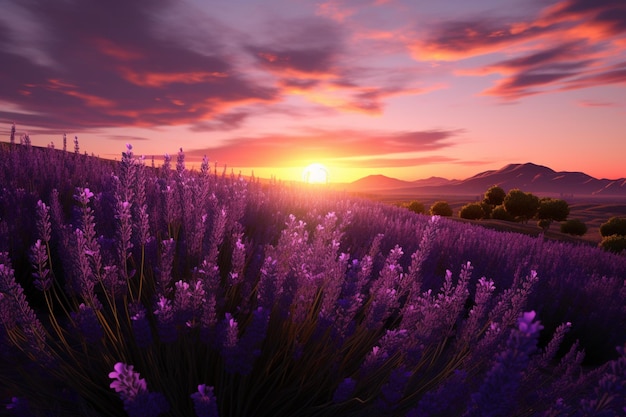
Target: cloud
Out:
[86,65]
[222,122]
[107,65]
[597,103]
[602,18]
[127,138]
[562,47]
[391,162]
[613,74]
[454,40]
[314,58]
[318,144]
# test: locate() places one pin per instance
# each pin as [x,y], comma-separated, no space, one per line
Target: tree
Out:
[614,243]
[417,207]
[500,213]
[551,209]
[472,211]
[441,208]
[495,195]
[574,227]
[614,226]
[522,206]
[487,208]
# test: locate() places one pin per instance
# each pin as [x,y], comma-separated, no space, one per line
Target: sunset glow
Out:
[315,174]
[404,88]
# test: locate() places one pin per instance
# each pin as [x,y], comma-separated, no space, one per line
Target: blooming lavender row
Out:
[141,291]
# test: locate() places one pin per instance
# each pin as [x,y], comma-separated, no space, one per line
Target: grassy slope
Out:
[593,212]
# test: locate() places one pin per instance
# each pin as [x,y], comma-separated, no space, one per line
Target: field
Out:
[593,211]
[140,291]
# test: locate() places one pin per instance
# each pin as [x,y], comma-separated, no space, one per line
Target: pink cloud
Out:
[597,103]
[569,45]
[288,150]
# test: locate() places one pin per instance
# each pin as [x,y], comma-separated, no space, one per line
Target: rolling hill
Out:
[527,177]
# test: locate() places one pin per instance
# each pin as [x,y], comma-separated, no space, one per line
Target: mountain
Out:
[378,182]
[433,182]
[527,177]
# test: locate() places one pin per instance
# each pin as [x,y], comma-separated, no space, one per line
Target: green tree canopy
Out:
[500,213]
[495,195]
[574,227]
[417,207]
[487,208]
[472,211]
[551,209]
[614,243]
[614,226]
[522,206]
[441,208]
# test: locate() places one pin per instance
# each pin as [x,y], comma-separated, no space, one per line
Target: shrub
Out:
[551,209]
[495,195]
[500,213]
[574,227]
[487,208]
[522,206]
[417,207]
[614,226]
[472,211]
[614,243]
[441,208]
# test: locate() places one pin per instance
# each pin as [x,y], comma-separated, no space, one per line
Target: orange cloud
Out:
[155,79]
[334,11]
[113,50]
[568,45]
[293,150]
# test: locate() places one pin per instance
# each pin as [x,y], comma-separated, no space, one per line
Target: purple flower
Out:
[204,402]
[165,320]
[18,407]
[141,327]
[393,391]
[133,391]
[39,257]
[87,323]
[344,391]
[84,196]
[231,330]
[43,221]
[527,325]
[127,382]
[497,395]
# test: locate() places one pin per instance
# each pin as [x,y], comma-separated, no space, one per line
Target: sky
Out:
[405,88]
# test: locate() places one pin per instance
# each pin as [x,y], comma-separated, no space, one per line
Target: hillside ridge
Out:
[528,176]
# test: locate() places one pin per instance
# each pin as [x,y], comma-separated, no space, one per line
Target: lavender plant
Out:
[280,300]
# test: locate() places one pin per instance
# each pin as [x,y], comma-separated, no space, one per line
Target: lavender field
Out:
[141,290]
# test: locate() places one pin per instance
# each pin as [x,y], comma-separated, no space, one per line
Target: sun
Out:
[315,174]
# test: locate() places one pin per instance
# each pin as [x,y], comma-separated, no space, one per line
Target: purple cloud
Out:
[110,67]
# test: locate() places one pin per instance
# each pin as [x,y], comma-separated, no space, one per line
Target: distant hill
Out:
[378,182]
[527,177]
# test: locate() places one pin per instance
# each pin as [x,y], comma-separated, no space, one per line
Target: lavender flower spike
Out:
[527,325]
[204,402]
[138,401]
[127,382]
